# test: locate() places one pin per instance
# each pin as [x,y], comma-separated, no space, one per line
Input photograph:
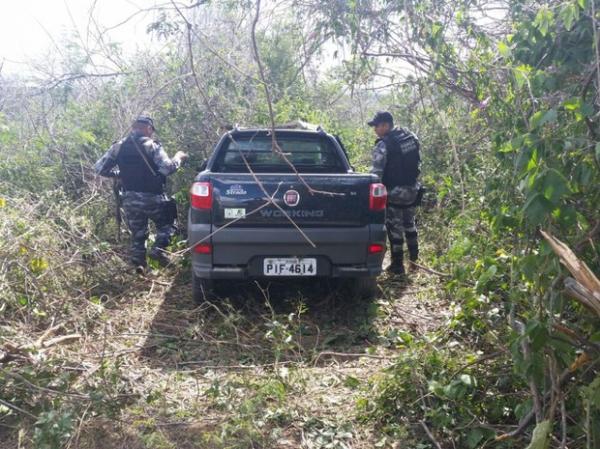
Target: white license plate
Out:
[291,266]
[231,212]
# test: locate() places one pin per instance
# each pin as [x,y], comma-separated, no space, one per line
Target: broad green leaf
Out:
[485,278]
[537,208]
[530,265]
[566,215]
[544,20]
[569,14]
[541,118]
[541,436]
[521,73]
[351,382]
[536,119]
[527,158]
[584,174]
[436,29]
[523,409]
[474,437]
[468,380]
[38,265]
[504,49]
[572,104]
[532,165]
[87,136]
[538,335]
[587,109]
[554,185]
[507,147]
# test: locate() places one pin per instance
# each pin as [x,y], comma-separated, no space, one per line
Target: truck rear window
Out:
[310,154]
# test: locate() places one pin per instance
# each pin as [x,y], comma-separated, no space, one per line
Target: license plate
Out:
[290,267]
[234,213]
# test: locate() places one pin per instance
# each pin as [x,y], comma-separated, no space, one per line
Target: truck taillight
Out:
[377,197]
[376,248]
[201,195]
[203,248]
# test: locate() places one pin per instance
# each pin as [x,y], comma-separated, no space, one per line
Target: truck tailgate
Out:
[236,195]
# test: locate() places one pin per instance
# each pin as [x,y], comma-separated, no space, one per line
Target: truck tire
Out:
[203,289]
[364,287]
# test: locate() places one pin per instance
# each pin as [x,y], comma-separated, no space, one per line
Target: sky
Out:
[31,29]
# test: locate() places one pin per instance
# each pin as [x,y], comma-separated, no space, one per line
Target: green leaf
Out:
[486,277]
[521,74]
[351,382]
[572,104]
[474,437]
[523,409]
[468,380]
[87,137]
[541,436]
[538,335]
[582,3]
[504,50]
[541,118]
[598,151]
[507,147]
[569,14]
[554,185]
[544,20]
[537,208]
[587,109]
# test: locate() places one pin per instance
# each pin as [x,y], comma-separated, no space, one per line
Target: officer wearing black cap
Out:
[142,166]
[396,160]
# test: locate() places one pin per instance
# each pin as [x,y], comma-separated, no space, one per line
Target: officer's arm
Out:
[105,166]
[165,164]
[379,159]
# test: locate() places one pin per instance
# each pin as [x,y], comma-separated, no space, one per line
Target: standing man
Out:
[143,166]
[396,161]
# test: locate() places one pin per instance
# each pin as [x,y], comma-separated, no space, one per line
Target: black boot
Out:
[413,256]
[397,265]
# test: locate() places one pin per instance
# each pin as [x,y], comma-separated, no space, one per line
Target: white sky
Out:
[30,29]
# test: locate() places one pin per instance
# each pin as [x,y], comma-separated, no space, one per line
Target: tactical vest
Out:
[402,159]
[135,174]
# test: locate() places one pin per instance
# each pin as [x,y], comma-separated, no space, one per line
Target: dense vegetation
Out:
[505,97]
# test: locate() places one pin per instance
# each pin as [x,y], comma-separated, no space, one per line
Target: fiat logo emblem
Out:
[291,198]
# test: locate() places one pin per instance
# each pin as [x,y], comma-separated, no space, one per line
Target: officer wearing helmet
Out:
[142,165]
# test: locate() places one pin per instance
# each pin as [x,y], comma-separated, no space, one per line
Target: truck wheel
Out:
[365,287]
[203,289]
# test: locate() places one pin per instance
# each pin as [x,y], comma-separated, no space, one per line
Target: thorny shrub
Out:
[51,266]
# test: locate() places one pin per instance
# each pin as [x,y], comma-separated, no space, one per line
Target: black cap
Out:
[381,117]
[145,120]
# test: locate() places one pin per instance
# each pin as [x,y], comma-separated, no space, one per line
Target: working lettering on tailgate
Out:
[301,213]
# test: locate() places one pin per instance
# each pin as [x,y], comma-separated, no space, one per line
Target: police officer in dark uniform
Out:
[142,166]
[396,160]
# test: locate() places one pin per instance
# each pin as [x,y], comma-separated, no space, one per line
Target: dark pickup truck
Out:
[236,233]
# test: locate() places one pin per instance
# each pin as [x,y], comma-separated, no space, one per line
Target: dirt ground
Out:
[278,365]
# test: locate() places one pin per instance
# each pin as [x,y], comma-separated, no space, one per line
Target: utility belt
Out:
[169,205]
[404,197]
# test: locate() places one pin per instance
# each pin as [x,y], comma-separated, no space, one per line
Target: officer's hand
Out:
[181,155]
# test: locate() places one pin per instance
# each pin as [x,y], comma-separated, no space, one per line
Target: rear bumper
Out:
[207,272]
[238,253]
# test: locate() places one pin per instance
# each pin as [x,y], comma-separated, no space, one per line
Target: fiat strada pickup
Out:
[294,209]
